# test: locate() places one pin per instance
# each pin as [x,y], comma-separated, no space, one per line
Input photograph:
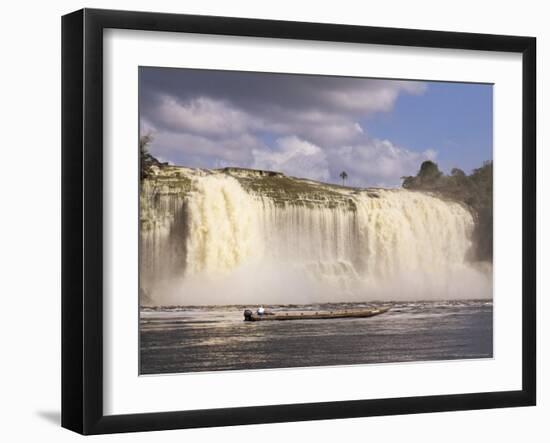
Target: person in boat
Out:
[261,310]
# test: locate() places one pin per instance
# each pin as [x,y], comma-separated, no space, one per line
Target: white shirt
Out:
[261,310]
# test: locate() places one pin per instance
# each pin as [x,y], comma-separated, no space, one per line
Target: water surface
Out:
[215,338]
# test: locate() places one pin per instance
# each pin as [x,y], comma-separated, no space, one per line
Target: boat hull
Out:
[313,315]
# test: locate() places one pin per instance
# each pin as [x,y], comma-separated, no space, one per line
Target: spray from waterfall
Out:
[218,242]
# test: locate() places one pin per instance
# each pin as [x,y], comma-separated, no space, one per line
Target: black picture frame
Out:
[82,220]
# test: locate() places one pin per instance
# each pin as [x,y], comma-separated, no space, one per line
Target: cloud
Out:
[214,118]
[260,92]
[201,115]
[293,156]
[302,125]
[375,96]
[203,152]
[376,162]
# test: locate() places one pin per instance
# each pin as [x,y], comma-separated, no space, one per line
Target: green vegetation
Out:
[474,190]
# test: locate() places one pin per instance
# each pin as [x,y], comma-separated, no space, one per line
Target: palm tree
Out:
[344,176]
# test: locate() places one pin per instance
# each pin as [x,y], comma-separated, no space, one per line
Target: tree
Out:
[429,173]
[144,142]
[428,177]
[146,159]
[343,176]
[456,172]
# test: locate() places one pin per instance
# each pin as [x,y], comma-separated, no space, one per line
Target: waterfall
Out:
[219,240]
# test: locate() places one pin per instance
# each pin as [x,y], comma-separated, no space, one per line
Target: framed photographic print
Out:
[269,221]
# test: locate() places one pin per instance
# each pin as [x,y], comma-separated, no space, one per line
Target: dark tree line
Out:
[474,190]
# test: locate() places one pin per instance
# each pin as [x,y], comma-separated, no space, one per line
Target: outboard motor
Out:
[247,315]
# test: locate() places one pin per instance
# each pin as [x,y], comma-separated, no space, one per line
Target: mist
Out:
[219,241]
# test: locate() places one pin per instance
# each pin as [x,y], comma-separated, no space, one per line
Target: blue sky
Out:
[313,126]
[455,119]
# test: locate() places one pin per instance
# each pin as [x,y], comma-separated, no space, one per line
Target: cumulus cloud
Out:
[293,156]
[262,93]
[204,152]
[376,96]
[201,115]
[301,125]
[377,162]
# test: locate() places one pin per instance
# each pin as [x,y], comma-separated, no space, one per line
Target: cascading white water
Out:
[221,244]
[223,227]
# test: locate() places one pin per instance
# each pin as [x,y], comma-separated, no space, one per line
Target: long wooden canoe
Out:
[313,315]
